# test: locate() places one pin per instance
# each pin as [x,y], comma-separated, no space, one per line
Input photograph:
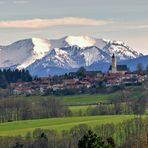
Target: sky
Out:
[123,20]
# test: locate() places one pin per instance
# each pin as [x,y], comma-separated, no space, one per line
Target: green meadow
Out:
[80,110]
[81,100]
[59,124]
[76,103]
[86,99]
[74,100]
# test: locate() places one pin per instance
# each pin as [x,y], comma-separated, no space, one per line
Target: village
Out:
[117,75]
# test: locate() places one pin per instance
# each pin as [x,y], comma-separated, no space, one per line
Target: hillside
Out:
[59,124]
[134,62]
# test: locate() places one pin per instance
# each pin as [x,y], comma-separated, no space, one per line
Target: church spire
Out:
[114,64]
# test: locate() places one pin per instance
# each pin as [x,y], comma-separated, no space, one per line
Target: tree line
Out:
[135,105]
[13,109]
[94,89]
[124,102]
[8,76]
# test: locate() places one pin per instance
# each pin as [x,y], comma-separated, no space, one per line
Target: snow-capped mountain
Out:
[69,52]
[23,53]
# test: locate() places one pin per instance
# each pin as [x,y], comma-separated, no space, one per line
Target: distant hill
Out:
[132,64]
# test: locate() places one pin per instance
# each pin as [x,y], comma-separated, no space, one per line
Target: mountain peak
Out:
[80,41]
[41,46]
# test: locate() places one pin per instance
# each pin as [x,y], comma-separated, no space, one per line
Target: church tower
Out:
[114,64]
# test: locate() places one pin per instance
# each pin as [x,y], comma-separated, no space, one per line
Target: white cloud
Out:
[117,26]
[135,27]
[142,27]
[44,23]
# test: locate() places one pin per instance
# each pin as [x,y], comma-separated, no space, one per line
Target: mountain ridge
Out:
[67,53]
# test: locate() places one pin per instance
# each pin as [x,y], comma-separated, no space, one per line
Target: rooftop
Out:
[120,68]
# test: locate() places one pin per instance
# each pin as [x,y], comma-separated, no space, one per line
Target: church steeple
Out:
[114,64]
[113,56]
[117,69]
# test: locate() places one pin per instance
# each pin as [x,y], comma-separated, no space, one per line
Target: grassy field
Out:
[85,99]
[82,100]
[59,124]
[76,103]
[77,110]
[82,108]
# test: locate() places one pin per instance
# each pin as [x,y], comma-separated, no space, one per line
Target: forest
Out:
[8,76]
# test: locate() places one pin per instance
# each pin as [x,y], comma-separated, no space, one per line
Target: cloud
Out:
[136,27]
[142,27]
[44,23]
[118,27]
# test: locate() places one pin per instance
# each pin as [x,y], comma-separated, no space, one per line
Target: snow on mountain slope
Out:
[41,47]
[80,41]
[68,52]
[39,50]
[23,53]
[56,58]
[16,53]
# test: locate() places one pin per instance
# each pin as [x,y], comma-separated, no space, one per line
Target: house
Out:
[57,86]
[113,82]
[23,91]
[113,79]
[85,84]
[70,82]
